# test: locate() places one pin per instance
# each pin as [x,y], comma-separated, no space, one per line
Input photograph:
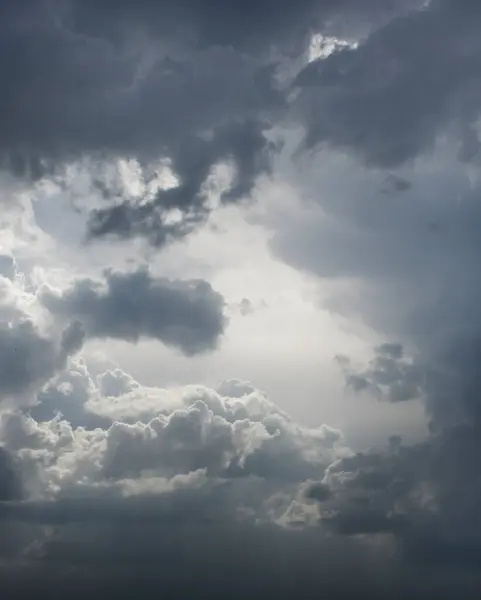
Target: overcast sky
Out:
[240,334]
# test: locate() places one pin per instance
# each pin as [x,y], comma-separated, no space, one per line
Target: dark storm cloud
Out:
[318,491]
[413,255]
[253,26]
[129,306]
[238,559]
[73,91]
[72,94]
[375,492]
[115,560]
[28,358]
[412,80]
[425,496]
[402,236]
[149,80]
[422,288]
[10,488]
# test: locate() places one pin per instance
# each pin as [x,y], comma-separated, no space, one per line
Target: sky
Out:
[239,298]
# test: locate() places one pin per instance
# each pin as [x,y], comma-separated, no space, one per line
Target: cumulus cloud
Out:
[182,458]
[129,306]
[90,440]
[178,483]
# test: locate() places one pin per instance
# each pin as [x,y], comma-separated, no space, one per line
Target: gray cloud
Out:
[243,143]
[27,358]
[134,487]
[420,287]
[403,106]
[185,314]
[8,266]
[270,560]
[9,482]
[181,461]
[105,103]
[193,82]
[423,291]
[251,26]
[388,375]
[426,496]
[146,432]
[410,81]
[30,352]
[116,546]
[81,84]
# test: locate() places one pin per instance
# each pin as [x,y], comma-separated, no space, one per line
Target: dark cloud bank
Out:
[403,106]
[132,490]
[193,81]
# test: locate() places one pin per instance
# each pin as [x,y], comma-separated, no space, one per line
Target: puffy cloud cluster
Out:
[98,455]
[79,440]
[204,486]
[206,481]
